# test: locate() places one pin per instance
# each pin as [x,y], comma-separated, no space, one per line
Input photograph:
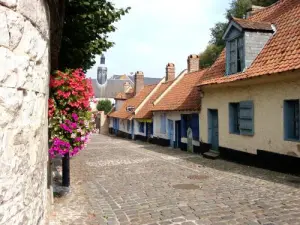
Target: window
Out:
[235,55]
[163,123]
[128,125]
[141,127]
[241,118]
[291,119]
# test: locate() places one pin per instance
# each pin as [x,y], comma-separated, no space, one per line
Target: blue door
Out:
[171,132]
[213,129]
[132,129]
[177,134]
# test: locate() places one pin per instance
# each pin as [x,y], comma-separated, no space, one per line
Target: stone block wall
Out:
[254,43]
[24,80]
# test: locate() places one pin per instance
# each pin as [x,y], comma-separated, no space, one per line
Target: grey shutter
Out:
[246,118]
[227,57]
[233,56]
[233,118]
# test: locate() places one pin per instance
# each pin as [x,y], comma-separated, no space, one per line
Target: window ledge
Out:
[292,140]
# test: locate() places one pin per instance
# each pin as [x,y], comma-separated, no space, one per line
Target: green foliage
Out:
[86,27]
[238,8]
[104,105]
[209,56]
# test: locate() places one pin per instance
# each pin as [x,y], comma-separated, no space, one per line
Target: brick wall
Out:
[193,63]
[138,81]
[254,43]
[170,72]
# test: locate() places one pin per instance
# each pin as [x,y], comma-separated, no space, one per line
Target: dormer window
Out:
[236,55]
[244,41]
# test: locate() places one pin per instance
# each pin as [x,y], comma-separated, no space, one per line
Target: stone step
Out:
[211,154]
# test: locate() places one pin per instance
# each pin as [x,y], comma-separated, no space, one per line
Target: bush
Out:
[104,105]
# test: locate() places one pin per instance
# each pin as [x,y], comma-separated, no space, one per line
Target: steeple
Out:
[102,71]
[102,59]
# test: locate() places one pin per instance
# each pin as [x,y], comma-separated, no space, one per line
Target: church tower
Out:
[102,71]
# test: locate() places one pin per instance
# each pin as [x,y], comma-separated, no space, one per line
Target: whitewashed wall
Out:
[119,104]
[156,124]
[24,82]
[136,129]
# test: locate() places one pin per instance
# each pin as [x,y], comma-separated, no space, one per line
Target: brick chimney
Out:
[193,63]
[138,81]
[170,71]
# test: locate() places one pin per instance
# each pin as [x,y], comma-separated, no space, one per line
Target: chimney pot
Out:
[193,63]
[170,72]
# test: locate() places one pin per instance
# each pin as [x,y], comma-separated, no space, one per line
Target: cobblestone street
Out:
[118,181]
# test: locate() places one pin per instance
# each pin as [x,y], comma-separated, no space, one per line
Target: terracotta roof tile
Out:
[183,96]
[135,102]
[146,110]
[253,25]
[280,54]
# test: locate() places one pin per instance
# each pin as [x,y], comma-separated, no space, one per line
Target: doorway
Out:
[178,134]
[213,129]
[171,132]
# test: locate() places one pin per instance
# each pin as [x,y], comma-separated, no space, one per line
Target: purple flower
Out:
[75,117]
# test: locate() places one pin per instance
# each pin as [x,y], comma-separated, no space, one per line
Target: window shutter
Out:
[195,126]
[246,118]
[183,126]
[227,57]
[231,118]
[161,123]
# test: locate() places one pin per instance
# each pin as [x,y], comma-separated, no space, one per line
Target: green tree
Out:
[209,56]
[104,105]
[237,8]
[87,24]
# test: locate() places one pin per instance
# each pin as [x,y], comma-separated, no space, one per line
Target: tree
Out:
[238,8]
[87,24]
[104,105]
[209,56]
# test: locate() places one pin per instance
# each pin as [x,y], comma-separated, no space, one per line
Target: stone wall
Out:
[24,79]
[254,43]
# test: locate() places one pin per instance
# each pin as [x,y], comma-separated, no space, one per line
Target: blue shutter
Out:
[246,118]
[233,118]
[227,57]
[195,126]
[128,125]
[163,123]
[183,126]
[291,119]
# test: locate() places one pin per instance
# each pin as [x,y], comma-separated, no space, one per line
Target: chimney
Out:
[127,87]
[253,10]
[170,71]
[193,63]
[138,82]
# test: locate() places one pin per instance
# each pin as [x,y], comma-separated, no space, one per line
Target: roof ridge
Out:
[267,7]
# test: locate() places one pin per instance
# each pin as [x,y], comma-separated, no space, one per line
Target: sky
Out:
[156,32]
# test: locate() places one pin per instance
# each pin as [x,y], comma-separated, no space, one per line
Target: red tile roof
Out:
[253,25]
[134,102]
[280,54]
[146,110]
[184,96]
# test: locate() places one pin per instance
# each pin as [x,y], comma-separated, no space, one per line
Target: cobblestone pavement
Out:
[118,181]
